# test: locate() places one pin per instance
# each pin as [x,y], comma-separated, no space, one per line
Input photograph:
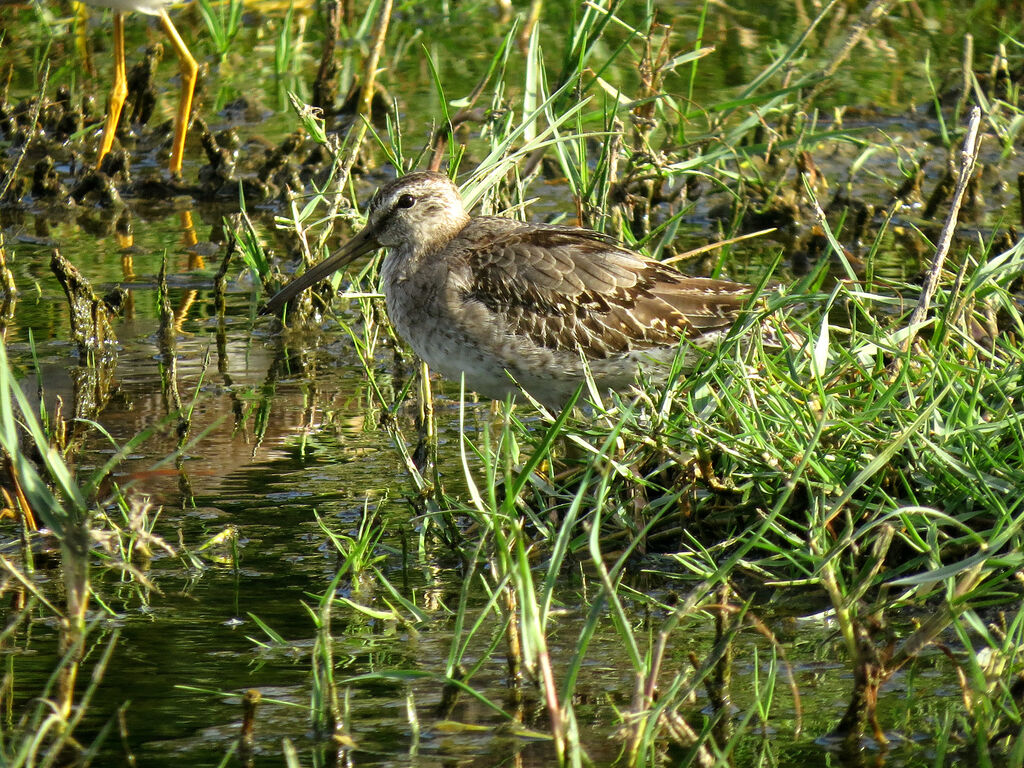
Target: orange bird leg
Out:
[119,91]
[189,74]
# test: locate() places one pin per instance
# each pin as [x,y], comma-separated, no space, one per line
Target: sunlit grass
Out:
[810,451]
[813,457]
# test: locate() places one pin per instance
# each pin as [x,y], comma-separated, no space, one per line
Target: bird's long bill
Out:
[364,242]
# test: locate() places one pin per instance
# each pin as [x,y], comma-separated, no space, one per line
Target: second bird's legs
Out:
[189,73]
[119,91]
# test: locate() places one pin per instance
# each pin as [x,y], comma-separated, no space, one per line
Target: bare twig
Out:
[868,19]
[718,244]
[380,32]
[968,157]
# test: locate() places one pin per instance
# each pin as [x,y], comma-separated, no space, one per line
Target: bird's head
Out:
[419,211]
[414,214]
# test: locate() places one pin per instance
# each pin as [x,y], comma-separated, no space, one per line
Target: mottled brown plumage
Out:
[497,299]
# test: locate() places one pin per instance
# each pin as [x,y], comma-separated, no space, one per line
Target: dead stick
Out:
[968,157]
[380,32]
[868,19]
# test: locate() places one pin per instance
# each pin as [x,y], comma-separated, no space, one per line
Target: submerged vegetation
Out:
[770,559]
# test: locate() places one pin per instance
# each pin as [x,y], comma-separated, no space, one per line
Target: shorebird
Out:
[512,305]
[119,90]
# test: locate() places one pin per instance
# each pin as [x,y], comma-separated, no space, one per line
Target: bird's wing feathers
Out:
[575,289]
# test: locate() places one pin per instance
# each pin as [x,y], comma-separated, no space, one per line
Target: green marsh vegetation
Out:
[771,560]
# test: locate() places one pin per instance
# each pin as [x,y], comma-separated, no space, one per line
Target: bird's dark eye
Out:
[406,201]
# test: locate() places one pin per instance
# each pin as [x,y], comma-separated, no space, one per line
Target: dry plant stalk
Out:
[968,158]
[868,19]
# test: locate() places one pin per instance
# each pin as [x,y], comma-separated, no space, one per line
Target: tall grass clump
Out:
[877,480]
[59,510]
[835,450]
[49,493]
